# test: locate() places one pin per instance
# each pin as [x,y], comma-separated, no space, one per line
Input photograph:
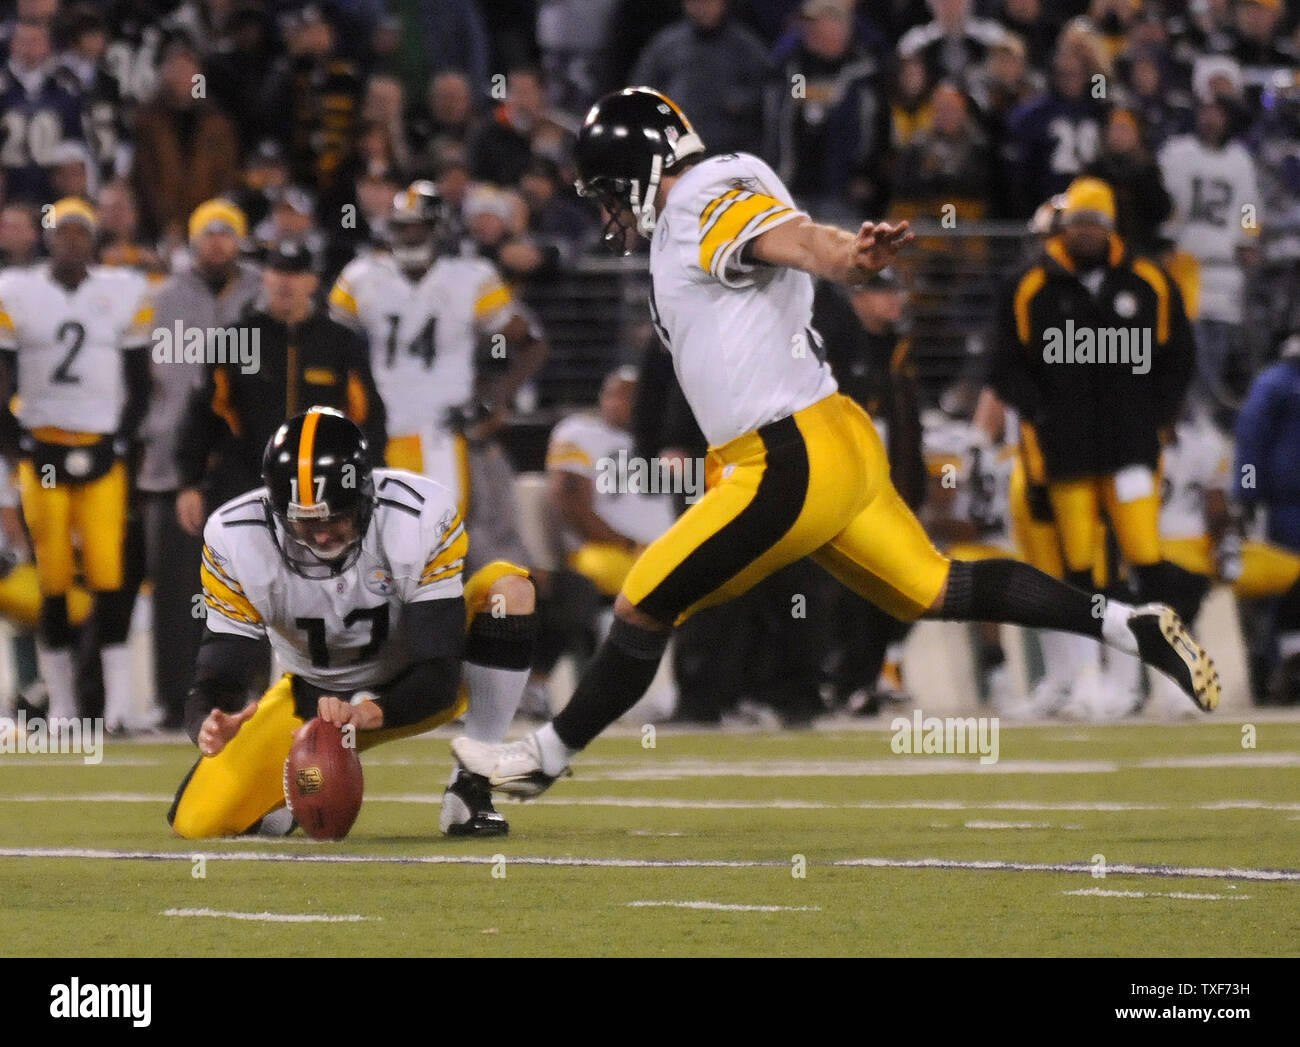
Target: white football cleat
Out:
[514,768]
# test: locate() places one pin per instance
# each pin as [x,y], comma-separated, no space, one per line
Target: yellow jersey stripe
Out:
[492,301]
[306,447]
[1030,284]
[733,222]
[452,551]
[6,321]
[450,571]
[1152,275]
[210,561]
[341,298]
[228,611]
[217,589]
[712,205]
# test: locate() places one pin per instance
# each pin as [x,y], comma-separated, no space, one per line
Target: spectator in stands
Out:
[265,175]
[1141,202]
[211,294]
[633,25]
[384,107]
[1163,108]
[293,220]
[574,36]
[450,116]
[520,126]
[435,38]
[451,175]
[86,40]
[72,173]
[948,162]
[909,102]
[119,231]
[1259,45]
[1211,178]
[239,73]
[713,67]
[828,123]
[952,44]
[41,103]
[556,217]
[497,232]
[1052,138]
[315,99]
[1036,27]
[186,150]
[20,234]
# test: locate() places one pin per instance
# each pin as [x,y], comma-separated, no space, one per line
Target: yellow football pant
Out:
[448,462]
[94,512]
[1035,539]
[226,794]
[20,598]
[605,564]
[1266,570]
[1077,505]
[812,484]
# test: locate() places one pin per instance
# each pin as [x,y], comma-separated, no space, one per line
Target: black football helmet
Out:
[413,224]
[628,141]
[321,490]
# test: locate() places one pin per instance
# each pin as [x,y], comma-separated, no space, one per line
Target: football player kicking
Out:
[354,574]
[794,468]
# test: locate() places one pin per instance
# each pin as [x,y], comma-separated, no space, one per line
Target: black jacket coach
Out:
[230,419]
[1093,418]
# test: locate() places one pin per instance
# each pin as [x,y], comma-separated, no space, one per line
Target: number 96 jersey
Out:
[342,633]
[70,343]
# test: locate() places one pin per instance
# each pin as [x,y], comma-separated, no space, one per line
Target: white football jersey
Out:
[1216,200]
[1200,461]
[343,632]
[981,476]
[585,444]
[69,344]
[422,333]
[741,335]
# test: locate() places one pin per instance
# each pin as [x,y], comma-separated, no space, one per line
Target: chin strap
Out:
[645,211]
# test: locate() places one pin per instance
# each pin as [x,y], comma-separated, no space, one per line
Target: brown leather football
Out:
[323,785]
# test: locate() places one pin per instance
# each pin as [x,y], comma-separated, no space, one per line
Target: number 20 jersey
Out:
[342,633]
[70,343]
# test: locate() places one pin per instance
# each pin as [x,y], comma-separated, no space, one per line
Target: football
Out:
[323,784]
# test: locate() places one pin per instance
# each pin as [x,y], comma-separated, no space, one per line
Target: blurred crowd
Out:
[308,119]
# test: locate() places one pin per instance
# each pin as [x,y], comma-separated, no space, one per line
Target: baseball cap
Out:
[1089,199]
[290,256]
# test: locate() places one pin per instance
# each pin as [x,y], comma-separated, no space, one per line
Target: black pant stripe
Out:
[775,507]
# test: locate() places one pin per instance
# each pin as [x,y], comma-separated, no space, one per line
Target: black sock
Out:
[113,615]
[1081,580]
[55,630]
[616,678]
[1012,592]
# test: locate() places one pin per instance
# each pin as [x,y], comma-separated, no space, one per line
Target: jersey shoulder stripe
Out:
[393,481]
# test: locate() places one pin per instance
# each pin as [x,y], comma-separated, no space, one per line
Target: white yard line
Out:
[723,907]
[991,865]
[1101,892]
[272,917]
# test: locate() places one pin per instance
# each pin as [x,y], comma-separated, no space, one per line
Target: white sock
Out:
[55,664]
[494,695]
[119,689]
[556,756]
[1288,643]
[1114,627]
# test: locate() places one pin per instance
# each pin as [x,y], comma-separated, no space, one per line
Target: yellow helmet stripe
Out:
[306,446]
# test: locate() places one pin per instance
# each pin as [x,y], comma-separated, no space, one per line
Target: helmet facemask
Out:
[619,195]
[319,544]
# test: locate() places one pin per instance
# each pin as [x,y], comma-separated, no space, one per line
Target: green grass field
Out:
[693,848]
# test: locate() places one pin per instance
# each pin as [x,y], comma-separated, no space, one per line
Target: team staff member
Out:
[795,468]
[1095,424]
[73,337]
[304,359]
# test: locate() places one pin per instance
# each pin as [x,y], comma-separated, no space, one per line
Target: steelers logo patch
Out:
[379,582]
[1126,304]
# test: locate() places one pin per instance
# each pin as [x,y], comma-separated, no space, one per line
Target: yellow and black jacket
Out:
[1093,418]
[232,416]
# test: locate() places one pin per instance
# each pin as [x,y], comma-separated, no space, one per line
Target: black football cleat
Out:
[467,808]
[1164,643]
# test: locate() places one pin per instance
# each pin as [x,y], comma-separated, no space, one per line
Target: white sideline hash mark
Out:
[271,917]
[991,865]
[1102,892]
[724,907]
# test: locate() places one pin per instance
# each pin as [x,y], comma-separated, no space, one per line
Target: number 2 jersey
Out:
[342,633]
[422,333]
[69,344]
[740,334]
